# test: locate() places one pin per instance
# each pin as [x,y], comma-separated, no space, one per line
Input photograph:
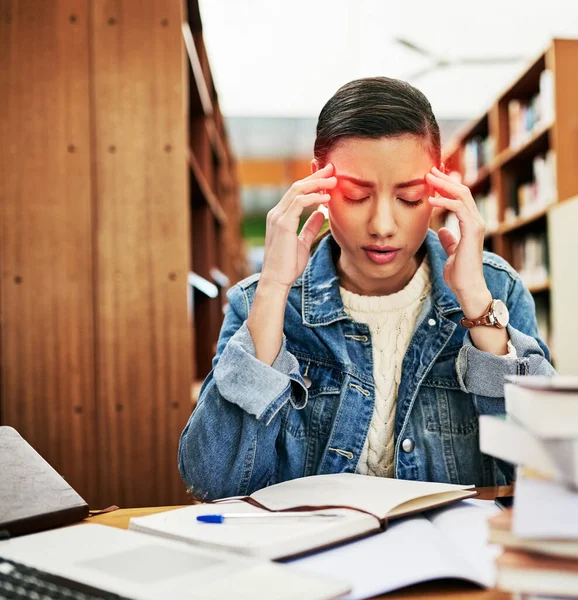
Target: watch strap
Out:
[485,319]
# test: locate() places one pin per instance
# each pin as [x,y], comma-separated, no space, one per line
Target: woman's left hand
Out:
[463,271]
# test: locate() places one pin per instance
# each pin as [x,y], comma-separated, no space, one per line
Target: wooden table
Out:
[438,590]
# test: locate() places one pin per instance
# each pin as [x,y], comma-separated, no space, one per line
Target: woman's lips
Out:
[381,255]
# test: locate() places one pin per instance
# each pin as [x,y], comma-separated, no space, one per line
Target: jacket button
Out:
[431,322]
[407,445]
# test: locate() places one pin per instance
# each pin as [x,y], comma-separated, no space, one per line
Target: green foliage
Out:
[254,227]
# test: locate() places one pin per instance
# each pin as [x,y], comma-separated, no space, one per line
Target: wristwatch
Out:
[496,315]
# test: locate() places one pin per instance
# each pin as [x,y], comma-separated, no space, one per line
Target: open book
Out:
[443,544]
[365,505]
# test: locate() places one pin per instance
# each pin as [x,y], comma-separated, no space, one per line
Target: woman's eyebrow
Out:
[370,184]
[356,181]
[412,183]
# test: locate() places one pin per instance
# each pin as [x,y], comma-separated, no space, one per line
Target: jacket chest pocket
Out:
[443,373]
[446,408]
[315,420]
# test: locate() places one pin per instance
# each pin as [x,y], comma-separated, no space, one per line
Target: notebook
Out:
[33,496]
[365,505]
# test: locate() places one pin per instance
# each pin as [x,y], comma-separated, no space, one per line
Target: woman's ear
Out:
[315,166]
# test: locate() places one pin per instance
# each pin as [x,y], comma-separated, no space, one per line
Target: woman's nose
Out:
[382,221]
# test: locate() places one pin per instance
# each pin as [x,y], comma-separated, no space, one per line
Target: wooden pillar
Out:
[95,242]
[47,331]
[142,247]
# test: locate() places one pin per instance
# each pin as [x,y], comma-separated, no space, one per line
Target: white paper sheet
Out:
[451,545]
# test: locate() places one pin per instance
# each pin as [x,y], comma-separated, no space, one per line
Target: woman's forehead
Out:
[384,160]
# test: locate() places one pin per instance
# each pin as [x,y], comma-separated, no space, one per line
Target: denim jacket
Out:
[256,425]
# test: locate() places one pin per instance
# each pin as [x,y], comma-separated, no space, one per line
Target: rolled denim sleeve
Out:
[257,388]
[228,446]
[483,374]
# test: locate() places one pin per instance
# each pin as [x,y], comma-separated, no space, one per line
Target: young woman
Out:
[378,353]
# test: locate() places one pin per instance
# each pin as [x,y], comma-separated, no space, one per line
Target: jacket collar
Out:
[321,299]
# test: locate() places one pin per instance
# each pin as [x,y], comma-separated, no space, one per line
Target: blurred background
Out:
[142,143]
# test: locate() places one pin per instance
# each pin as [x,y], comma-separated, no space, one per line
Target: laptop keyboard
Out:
[19,581]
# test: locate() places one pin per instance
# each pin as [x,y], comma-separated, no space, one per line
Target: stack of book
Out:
[527,115]
[544,169]
[478,153]
[530,258]
[540,192]
[539,534]
[488,207]
[536,194]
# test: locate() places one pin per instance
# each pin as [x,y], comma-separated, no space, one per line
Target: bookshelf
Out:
[217,245]
[520,161]
[120,189]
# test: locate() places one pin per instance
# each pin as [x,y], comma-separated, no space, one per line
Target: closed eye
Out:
[411,203]
[355,200]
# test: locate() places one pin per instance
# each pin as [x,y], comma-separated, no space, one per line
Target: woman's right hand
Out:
[286,253]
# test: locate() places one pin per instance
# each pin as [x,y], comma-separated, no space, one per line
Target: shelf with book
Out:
[529,256]
[521,222]
[488,206]
[467,131]
[478,156]
[217,254]
[532,168]
[481,180]
[536,142]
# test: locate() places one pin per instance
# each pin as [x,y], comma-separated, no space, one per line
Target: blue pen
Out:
[261,517]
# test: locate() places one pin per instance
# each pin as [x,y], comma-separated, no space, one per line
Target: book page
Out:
[377,495]
[465,526]
[410,551]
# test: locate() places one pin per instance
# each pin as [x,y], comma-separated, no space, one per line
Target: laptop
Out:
[105,562]
[92,561]
[33,496]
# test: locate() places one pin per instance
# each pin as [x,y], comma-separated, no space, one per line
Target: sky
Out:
[286,58]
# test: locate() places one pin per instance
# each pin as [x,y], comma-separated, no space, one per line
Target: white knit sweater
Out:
[391,320]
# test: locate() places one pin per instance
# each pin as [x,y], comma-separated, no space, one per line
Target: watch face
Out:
[501,313]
